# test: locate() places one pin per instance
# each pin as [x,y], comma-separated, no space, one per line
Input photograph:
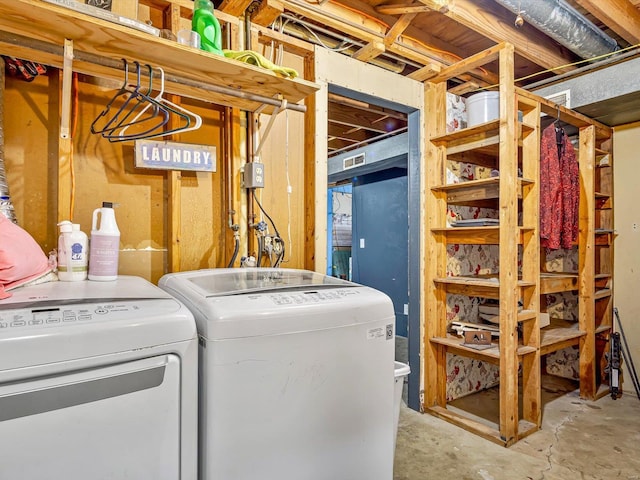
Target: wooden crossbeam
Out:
[426,72]
[400,9]
[369,51]
[267,12]
[234,7]
[398,28]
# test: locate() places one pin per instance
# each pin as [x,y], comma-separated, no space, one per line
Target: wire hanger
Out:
[182,112]
[160,116]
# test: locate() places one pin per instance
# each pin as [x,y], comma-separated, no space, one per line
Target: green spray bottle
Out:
[206,24]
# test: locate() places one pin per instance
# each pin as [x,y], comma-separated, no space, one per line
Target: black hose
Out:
[235,252]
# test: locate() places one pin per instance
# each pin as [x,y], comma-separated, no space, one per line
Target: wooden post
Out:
[508,212]
[435,298]
[586,263]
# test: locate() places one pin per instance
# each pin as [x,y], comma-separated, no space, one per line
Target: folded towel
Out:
[21,258]
[254,58]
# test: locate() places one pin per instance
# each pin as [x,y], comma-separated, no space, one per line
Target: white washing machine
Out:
[98,380]
[296,375]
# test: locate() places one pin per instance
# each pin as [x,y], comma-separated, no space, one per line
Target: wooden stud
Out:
[174,178]
[508,213]
[435,254]
[586,263]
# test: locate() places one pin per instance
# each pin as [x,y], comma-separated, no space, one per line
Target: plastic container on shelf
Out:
[206,24]
[72,252]
[401,370]
[105,244]
[483,107]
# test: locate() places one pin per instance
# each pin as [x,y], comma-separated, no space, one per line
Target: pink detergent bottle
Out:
[104,244]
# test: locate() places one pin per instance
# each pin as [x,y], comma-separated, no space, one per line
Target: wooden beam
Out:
[400,9]
[477,60]
[464,88]
[290,44]
[355,135]
[234,7]
[529,42]
[398,28]
[619,15]
[267,12]
[426,72]
[440,6]
[369,51]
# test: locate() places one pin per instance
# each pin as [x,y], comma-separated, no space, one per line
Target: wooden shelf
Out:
[475,235]
[482,129]
[467,193]
[601,294]
[558,282]
[492,355]
[491,433]
[475,286]
[558,335]
[93,37]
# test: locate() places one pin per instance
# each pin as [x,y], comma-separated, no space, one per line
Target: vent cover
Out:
[561,98]
[353,162]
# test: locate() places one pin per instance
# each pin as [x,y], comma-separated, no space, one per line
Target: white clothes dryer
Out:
[296,374]
[98,380]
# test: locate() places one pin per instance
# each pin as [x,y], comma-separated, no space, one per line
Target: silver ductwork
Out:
[565,24]
[6,207]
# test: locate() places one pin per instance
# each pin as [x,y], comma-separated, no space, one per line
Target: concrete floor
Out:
[579,440]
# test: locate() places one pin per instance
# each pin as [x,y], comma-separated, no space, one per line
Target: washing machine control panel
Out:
[313,296]
[51,315]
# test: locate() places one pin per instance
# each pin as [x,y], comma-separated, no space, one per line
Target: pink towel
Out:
[21,258]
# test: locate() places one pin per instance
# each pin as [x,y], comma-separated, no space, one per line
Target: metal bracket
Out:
[67,73]
[276,111]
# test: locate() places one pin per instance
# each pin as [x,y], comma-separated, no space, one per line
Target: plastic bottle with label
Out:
[104,245]
[72,253]
[206,24]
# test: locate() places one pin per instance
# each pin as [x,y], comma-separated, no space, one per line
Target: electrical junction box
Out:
[253,176]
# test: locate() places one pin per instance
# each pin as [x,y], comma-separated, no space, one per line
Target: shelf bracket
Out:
[67,73]
[276,111]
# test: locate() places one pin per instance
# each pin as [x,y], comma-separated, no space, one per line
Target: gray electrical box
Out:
[253,176]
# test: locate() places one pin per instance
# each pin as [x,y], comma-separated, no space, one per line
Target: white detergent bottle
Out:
[72,252]
[104,245]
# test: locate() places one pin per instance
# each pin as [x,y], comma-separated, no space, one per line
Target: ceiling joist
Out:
[398,28]
[529,42]
[619,15]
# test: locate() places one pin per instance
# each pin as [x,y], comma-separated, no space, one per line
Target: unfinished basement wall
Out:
[106,171]
[627,240]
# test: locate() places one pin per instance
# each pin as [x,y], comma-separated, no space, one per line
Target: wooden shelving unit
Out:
[510,143]
[514,144]
[595,258]
[37,30]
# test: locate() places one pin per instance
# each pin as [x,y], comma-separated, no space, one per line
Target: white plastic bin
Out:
[401,370]
[483,107]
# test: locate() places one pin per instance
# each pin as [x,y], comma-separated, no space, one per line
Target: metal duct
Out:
[565,24]
[6,207]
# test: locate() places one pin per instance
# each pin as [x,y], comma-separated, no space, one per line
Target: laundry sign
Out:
[165,155]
